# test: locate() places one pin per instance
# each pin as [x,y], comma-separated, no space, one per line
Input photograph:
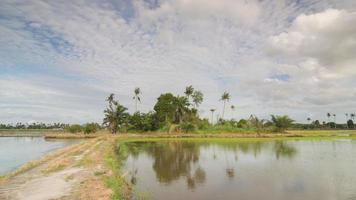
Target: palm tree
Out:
[212,115]
[189,91]
[352,116]
[308,119]
[115,115]
[197,98]
[334,115]
[347,116]
[181,109]
[281,122]
[232,109]
[224,97]
[328,115]
[137,98]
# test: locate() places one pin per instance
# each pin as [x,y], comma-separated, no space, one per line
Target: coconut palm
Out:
[137,98]
[347,116]
[115,115]
[212,115]
[308,119]
[352,115]
[328,115]
[232,107]
[197,98]
[281,122]
[334,115]
[181,108]
[189,91]
[224,97]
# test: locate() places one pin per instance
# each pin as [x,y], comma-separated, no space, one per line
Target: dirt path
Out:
[66,174]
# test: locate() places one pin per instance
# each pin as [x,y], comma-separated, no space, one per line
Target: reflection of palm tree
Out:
[225,97]
[284,150]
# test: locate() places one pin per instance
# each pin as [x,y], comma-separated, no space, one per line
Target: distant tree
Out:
[347,116]
[334,115]
[137,98]
[91,128]
[281,123]
[256,123]
[232,107]
[328,115]
[74,128]
[352,115]
[350,124]
[189,90]
[308,119]
[181,108]
[212,115]
[115,115]
[143,122]
[197,98]
[165,108]
[224,97]
[316,123]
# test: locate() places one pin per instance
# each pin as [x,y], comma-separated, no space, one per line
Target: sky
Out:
[59,60]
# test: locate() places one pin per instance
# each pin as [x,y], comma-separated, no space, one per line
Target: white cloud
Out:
[75,52]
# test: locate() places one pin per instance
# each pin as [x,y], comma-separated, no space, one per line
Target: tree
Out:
[224,97]
[352,115]
[328,115]
[212,115]
[181,108]
[137,98]
[232,109]
[197,98]
[189,91]
[347,116]
[165,108]
[334,115]
[350,124]
[115,115]
[281,122]
[308,119]
[91,128]
[256,123]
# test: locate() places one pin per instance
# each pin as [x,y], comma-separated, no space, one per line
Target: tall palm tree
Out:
[224,97]
[115,115]
[212,115]
[197,98]
[347,116]
[352,116]
[334,115]
[137,98]
[181,109]
[189,91]
[308,119]
[232,109]
[328,115]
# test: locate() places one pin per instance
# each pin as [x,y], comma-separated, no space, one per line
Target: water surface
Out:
[15,151]
[277,170]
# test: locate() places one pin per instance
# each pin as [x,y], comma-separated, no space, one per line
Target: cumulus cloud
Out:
[58,56]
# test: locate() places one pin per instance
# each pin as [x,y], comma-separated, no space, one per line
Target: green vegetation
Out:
[175,113]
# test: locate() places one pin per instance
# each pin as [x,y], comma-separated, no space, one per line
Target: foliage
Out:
[197,98]
[91,128]
[74,128]
[350,124]
[187,127]
[143,122]
[116,116]
[281,123]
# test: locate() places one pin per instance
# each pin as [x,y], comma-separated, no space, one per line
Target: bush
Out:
[91,128]
[350,124]
[187,127]
[74,128]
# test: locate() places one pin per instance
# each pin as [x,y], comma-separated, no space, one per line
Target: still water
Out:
[275,170]
[15,151]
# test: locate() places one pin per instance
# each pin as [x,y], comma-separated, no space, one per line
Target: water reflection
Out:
[173,160]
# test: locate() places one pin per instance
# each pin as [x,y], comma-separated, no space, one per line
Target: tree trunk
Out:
[223,112]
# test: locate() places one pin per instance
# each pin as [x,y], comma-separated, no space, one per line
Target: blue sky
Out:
[60,59]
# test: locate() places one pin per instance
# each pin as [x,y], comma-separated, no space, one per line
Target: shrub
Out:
[187,127]
[74,128]
[91,128]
